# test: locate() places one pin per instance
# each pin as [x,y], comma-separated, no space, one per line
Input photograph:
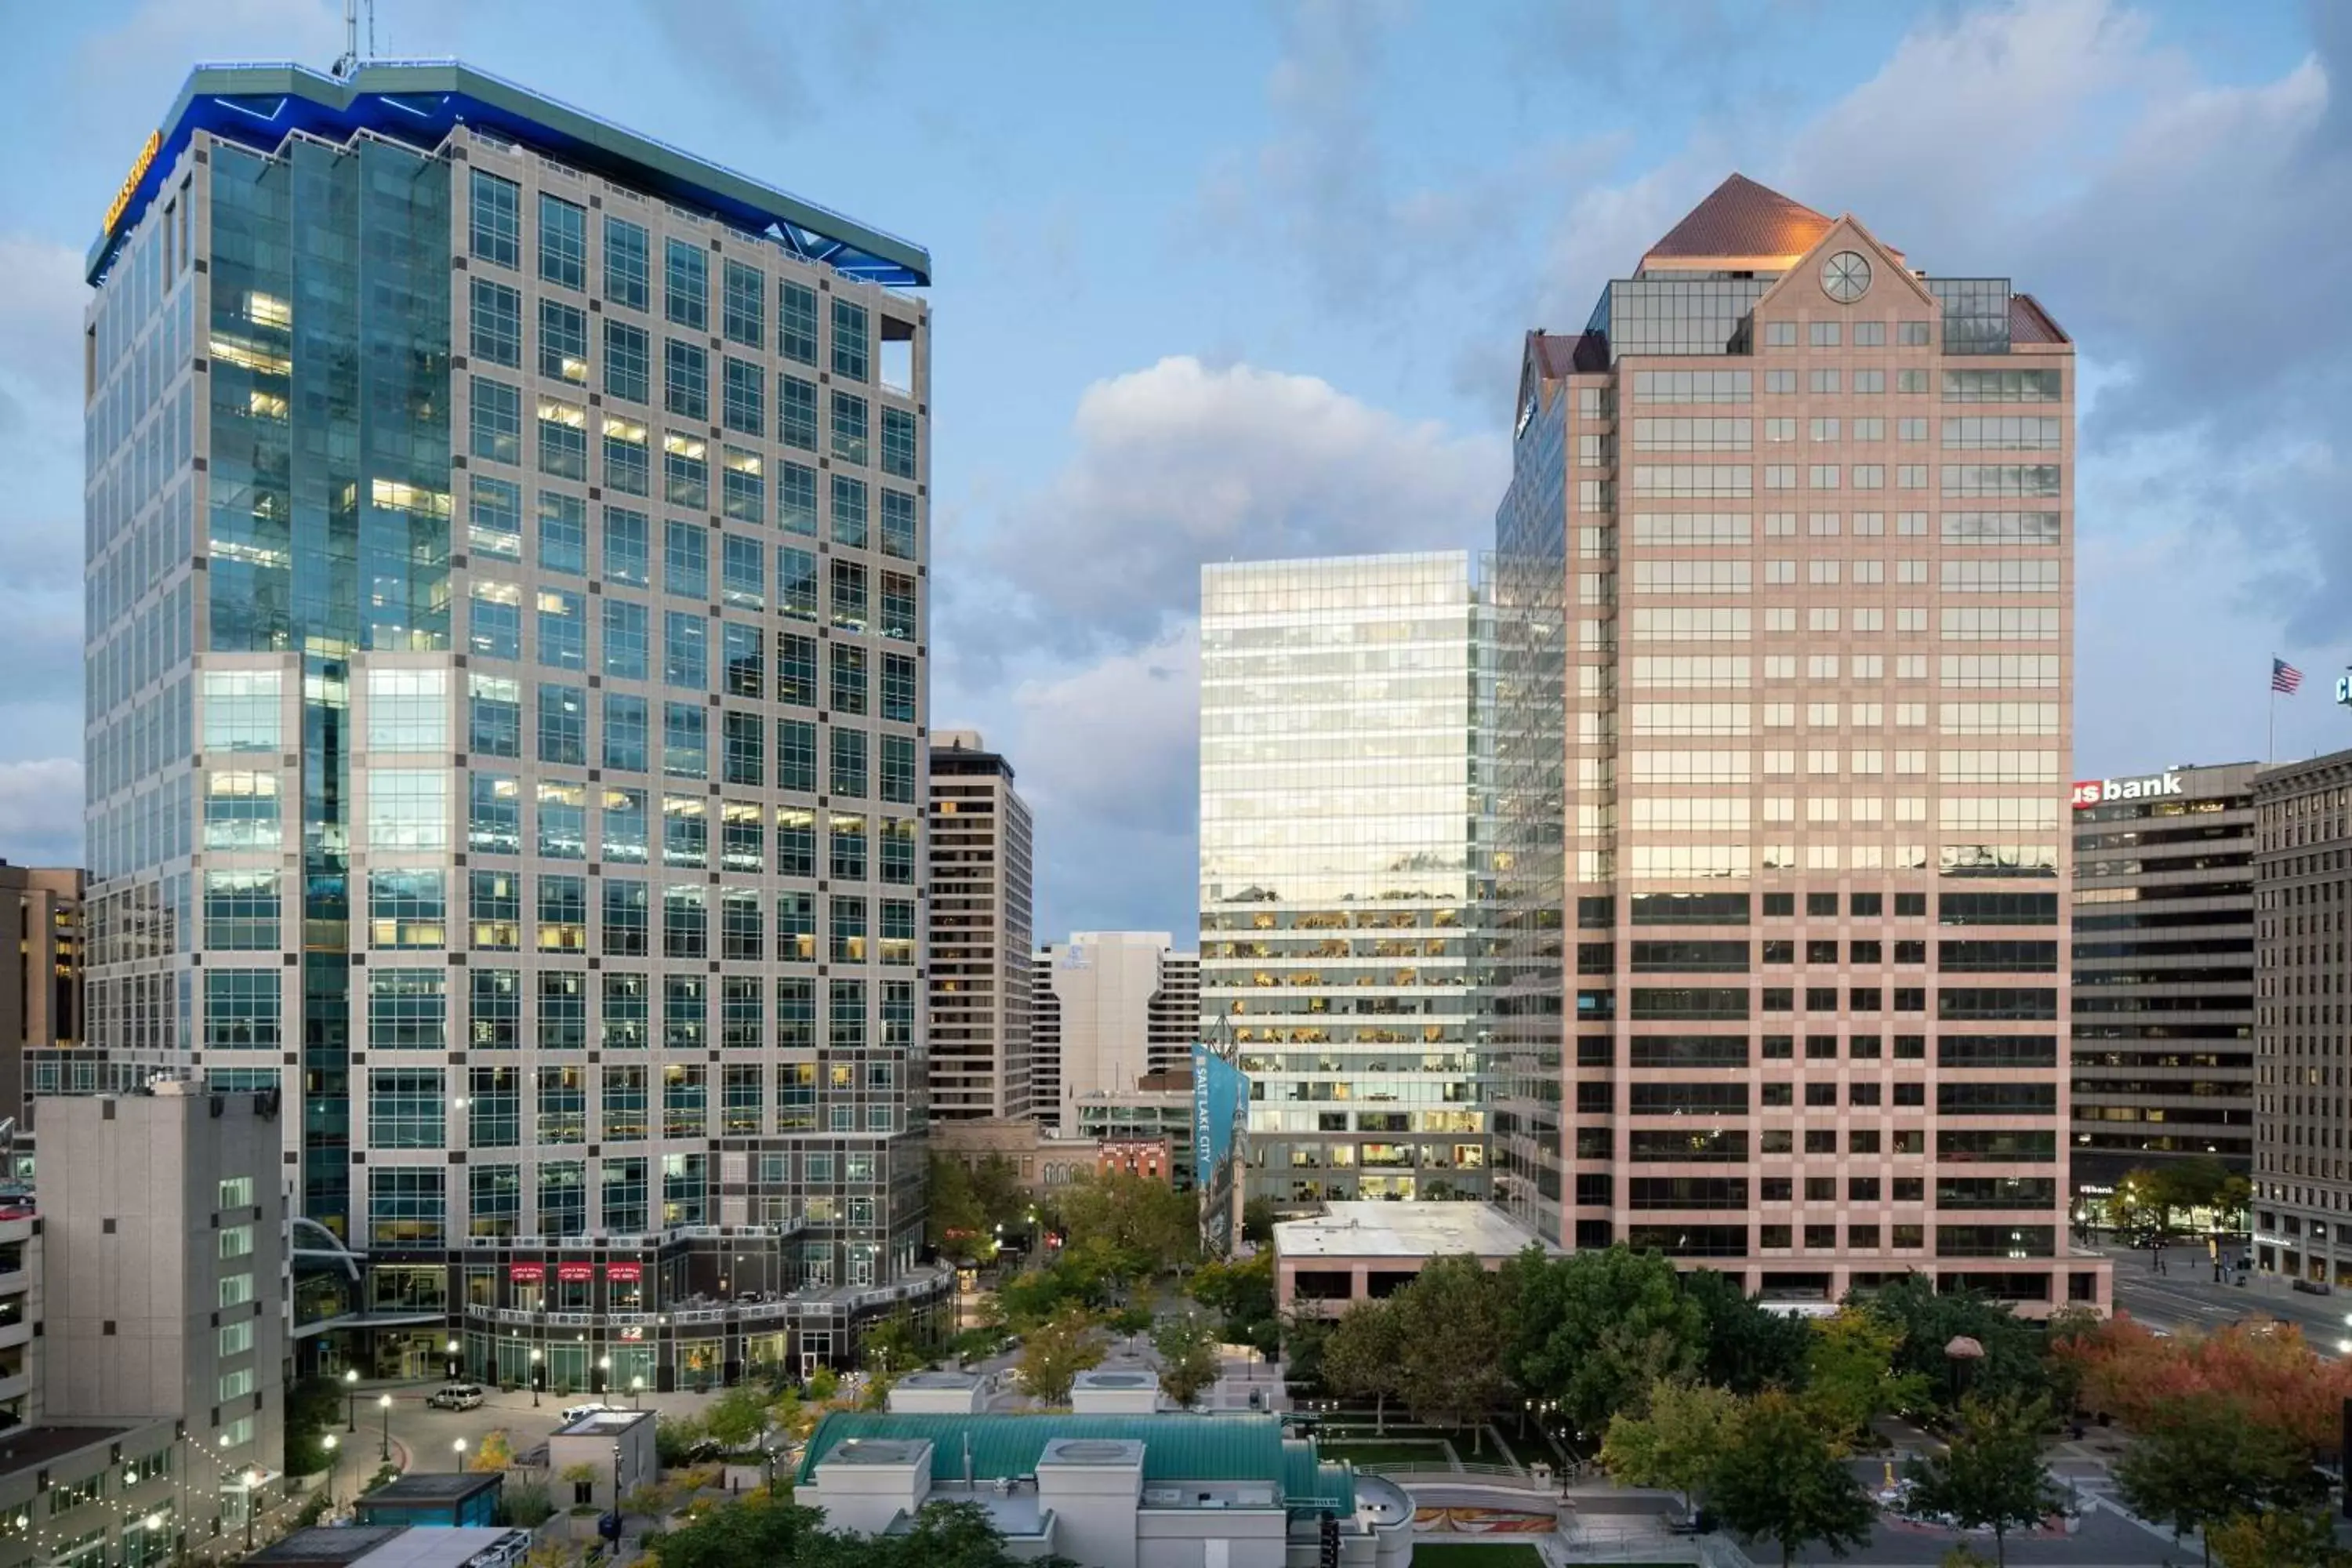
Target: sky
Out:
[1244,280]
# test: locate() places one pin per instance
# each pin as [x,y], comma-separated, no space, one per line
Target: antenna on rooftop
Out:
[348,64]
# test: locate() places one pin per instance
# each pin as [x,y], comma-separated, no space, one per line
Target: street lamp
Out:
[333,1443]
[637,1392]
[351,1405]
[252,1482]
[459,1445]
[535,1355]
[603,1374]
[450,1349]
[384,1405]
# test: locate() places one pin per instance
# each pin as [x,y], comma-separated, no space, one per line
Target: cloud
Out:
[40,812]
[1180,464]
[1068,617]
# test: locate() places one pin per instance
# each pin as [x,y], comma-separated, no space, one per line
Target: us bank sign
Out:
[2100,792]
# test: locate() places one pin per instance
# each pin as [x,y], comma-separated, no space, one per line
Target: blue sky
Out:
[1234,280]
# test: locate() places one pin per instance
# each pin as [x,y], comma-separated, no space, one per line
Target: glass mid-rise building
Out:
[1340,876]
[506,682]
[1784,606]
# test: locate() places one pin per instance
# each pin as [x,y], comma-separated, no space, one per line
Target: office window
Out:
[563,439]
[744,488]
[562,242]
[850,355]
[494,518]
[796,321]
[685,741]
[743,308]
[742,405]
[495,324]
[628,458]
[495,219]
[626,737]
[563,533]
[685,379]
[497,421]
[686,650]
[797,412]
[796,584]
[850,414]
[685,560]
[686,277]
[563,725]
[847,775]
[627,276]
[628,362]
[686,470]
[849,511]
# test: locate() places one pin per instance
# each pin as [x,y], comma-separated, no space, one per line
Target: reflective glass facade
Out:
[1340,869]
[537,812]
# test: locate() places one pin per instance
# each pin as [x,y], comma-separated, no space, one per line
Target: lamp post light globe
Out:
[384,1405]
[459,1448]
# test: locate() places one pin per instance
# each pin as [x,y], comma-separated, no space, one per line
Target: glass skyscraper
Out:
[507,682]
[1341,873]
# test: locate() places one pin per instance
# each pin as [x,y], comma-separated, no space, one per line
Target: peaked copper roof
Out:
[1742,219]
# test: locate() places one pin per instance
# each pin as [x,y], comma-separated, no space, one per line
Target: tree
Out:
[1301,1335]
[1257,1221]
[1596,1329]
[495,1452]
[752,1533]
[1929,1320]
[737,1417]
[1188,1358]
[1364,1356]
[1991,1476]
[1453,1318]
[1144,1226]
[1056,1352]
[1678,1442]
[952,1221]
[1241,1293]
[2205,1460]
[2281,1539]
[1781,1481]
[674,1437]
[1747,1347]
[2193,1183]
[1850,1376]
[2275,1378]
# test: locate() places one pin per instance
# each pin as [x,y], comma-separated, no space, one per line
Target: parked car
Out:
[577,1411]
[457,1396]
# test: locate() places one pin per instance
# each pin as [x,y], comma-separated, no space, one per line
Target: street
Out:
[2186,1298]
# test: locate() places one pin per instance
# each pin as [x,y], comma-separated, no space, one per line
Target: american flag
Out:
[2285,676]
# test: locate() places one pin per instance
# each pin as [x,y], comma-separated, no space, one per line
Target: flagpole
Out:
[2271,758]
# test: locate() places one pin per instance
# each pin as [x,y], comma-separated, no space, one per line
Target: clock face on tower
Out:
[1846,277]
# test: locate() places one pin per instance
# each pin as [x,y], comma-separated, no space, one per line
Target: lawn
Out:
[1475,1554]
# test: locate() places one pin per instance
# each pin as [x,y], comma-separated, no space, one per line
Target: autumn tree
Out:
[1677,1442]
[495,1452]
[1364,1356]
[1188,1358]
[2137,1376]
[1990,1476]
[1056,1352]
[1782,1481]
